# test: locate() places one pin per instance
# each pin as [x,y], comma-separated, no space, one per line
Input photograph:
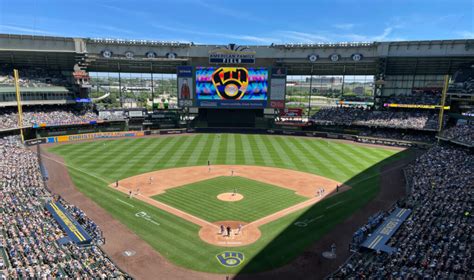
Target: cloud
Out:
[15,28]
[113,29]
[384,36]
[466,34]
[302,37]
[221,11]
[242,37]
[344,26]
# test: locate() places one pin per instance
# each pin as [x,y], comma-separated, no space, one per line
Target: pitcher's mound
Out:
[230,196]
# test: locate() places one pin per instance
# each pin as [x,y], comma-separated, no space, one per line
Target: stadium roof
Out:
[142,56]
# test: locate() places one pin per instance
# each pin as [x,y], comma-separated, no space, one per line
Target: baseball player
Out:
[151,180]
[239,229]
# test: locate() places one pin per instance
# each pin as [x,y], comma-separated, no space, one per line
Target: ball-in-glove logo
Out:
[230,259]
[230,82]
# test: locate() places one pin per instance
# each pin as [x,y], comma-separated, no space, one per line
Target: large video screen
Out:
[231,87]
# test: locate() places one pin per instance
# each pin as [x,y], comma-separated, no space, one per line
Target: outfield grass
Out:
[260,199]
[93,165]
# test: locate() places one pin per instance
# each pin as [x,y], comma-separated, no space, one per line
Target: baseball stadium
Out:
[145,159]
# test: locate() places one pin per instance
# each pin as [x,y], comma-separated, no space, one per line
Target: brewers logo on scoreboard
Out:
[231,82]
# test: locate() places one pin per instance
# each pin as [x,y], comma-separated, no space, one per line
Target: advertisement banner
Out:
[185,86]
[356,103]
[231,87]
[35,142]
[277,104]
[98,135]
[277,89]
[415,106]
[291,112]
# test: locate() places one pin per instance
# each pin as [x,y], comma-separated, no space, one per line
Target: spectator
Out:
[29,233]
[436,241]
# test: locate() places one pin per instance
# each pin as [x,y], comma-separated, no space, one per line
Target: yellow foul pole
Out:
[443,102]
[18,102]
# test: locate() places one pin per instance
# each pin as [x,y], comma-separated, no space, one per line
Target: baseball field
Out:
[269,186]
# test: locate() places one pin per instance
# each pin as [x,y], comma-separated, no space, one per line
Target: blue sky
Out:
[242,21]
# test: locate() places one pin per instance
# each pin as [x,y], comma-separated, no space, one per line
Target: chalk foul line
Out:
[126,203]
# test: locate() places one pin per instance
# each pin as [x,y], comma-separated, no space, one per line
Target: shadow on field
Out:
[332,220]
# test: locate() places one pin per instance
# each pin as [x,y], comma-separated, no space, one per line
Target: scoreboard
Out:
[231,87]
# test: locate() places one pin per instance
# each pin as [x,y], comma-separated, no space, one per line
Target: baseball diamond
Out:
[168,186]
[236,140]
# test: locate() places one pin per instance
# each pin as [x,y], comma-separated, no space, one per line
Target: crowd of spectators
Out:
[463,133]
[365,117]
[432,97]
[386,134]
[29,234]
[463,81]
[112,115]
[32,78]
[45,115]
[436,241]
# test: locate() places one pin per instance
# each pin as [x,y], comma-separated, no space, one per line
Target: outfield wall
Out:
[89,136]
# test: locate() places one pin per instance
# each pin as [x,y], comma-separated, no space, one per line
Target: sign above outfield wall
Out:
[185,86]
[278,87]
[231,87]
[232,54]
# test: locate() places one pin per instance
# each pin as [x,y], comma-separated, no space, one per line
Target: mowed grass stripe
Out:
[276,152]
[231,150]
[352,162]
[265,154]
[313,164]
[222,152]
[195,157]
[113,157]
[185,152]
[144,155]
[214,152]
[204,153]
[246,149]
[158,161]
[171,157]
[121,165]
[300,161]
[328,155]
[259,159]
[167,143]
[325,160]
[80,149]
[99,152]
